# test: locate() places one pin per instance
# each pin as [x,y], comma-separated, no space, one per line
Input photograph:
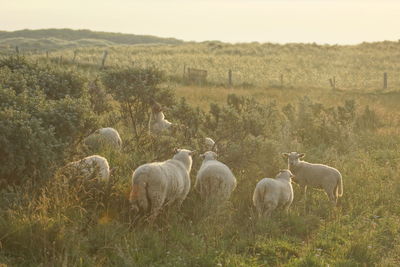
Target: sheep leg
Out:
[156,205]
[304,187]
[259,211]
[269,207]
[332,197]
[286,208]
[267,213]
[179,203]
[305,193]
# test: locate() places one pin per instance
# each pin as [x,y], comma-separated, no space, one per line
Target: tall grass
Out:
[261,65]
[59,222]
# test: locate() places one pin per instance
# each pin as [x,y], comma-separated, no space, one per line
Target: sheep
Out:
[270,194]
[315,175]
[104,136]
[92,166]
[210,144]
[157,123]
[214,179]
[159,184]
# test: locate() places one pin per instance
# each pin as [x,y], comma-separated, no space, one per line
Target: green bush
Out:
[135,89]
[26,146]
[20,74]
[40,126]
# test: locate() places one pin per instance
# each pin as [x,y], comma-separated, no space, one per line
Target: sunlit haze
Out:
[323,21]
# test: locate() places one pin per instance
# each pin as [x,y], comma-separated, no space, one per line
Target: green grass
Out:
[60,224]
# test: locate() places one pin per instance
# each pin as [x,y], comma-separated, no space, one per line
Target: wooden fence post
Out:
[60,60]
[332,81]
[184,71]
[75,52]
[230,78]
[281,79]
[385,77]
[17,49]
[47,54]
[104,58]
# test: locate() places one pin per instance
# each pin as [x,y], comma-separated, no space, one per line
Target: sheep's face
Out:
[293,158]
[209,155]
[155,108]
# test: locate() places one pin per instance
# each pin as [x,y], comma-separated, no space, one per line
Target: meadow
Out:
[359,67]
[47,108]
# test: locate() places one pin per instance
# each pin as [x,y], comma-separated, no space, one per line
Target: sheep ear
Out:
[285,155]
[201,156]
[191,153]
[176,150]
[301,155]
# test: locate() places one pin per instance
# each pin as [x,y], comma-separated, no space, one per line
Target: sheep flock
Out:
[156,185]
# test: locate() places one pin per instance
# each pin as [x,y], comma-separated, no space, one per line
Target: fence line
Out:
[204,74]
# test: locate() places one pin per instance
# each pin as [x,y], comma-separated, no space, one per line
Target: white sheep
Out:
[105,136]
[159,184]
[210,144]
[315,175]
[91,167]
[157,123]
[270,194]
[214,179]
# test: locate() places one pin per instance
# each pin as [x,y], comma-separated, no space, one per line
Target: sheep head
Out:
[209,155]
[293,158]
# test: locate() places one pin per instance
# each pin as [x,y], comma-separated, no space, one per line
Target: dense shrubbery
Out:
[248,133]
[20,75]
[37,130]
[315,125]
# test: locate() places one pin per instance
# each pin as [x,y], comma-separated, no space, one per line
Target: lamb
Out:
[157,123]
[104,136]
[90,167]
[315,175]
[270,194]
[214,179]
[159,184]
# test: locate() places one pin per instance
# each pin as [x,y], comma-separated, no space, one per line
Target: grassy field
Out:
[358,67]
[355,129]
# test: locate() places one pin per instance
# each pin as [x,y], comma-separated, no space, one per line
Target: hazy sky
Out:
[321,21]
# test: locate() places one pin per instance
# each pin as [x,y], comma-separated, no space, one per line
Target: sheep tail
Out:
[139,197]
[340,187]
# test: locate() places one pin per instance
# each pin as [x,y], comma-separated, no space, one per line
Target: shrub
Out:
[37,131]
[135,88]
[368,120]
[19,74]
[26,146]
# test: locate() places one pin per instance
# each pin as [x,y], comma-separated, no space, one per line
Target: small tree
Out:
[135,88]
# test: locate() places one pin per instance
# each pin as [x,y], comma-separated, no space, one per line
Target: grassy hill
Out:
[52,39]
